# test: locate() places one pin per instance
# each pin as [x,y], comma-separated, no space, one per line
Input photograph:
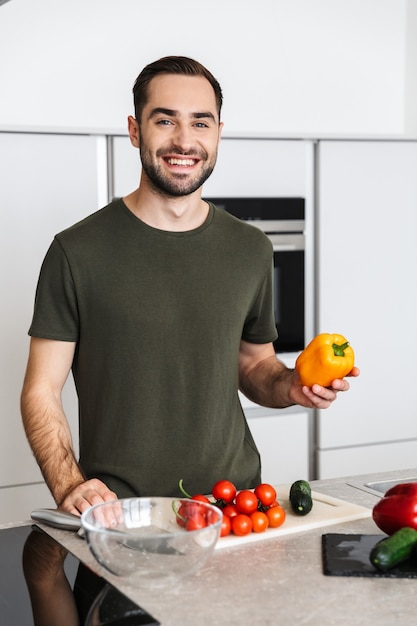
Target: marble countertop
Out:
[277,581]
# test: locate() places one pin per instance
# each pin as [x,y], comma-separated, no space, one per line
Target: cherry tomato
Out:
[195,522]
[189,510]
[230,510]
[200,498]
[193,507]
[241,524]
[260,521]
[226,526]
[276,516]
[266,494]
[246,502]
[224,490]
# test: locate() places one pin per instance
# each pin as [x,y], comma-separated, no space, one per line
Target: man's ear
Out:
[133,128]
[220,131]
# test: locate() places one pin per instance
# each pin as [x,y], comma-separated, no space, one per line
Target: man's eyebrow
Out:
[174,113]
[202,114]
[163,111]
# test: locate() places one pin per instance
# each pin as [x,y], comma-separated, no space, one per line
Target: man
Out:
[161,304]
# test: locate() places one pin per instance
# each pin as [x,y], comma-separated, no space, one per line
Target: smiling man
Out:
[189,137]
[178,149]
[161,304]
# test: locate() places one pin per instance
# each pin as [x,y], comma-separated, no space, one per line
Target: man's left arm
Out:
[265,380]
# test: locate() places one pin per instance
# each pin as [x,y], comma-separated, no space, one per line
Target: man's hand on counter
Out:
[86,494]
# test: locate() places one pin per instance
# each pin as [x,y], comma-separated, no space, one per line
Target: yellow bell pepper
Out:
[326,358]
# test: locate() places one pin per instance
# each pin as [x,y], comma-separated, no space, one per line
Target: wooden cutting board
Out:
[326,511]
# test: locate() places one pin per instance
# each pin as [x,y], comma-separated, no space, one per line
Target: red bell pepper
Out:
[397,509]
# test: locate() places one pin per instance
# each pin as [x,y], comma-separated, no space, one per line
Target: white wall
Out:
[286,66]
[410,100]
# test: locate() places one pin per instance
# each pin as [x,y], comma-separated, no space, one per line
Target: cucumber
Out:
[393,550]
[300,497]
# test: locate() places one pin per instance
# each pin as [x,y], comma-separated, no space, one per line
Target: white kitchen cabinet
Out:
[48,183]
[260,168]
[366,280]
[383,457]
[282,438]
[125,166]
[17,503]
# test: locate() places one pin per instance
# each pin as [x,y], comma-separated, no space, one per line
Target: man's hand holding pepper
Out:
[265,380]
[317,396]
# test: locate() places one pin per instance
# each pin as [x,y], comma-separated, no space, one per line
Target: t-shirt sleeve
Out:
[260,322]
[55,312]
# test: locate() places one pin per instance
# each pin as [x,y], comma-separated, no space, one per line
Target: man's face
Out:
[179,133]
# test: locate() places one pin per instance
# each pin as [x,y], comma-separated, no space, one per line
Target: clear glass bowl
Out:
[144,539]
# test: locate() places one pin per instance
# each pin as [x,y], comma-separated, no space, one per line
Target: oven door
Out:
[289,291]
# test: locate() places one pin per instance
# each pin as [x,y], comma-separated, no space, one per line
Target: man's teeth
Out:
[181,161]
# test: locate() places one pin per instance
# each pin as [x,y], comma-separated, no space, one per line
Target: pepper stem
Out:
[181,487]
[340,350]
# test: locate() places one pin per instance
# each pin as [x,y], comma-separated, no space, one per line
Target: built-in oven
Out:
[283,221]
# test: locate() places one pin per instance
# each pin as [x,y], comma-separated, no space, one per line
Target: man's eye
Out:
[201,125]
[164,122]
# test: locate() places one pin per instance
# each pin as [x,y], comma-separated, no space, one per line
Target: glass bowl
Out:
[147,539]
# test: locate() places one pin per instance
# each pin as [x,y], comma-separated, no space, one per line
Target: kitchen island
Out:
[277,581]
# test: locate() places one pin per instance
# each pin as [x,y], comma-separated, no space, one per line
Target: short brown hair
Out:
[171,65]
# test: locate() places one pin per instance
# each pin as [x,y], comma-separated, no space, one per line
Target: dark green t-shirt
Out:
[158,318]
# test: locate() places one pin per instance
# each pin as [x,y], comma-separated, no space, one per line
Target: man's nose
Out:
[183,137]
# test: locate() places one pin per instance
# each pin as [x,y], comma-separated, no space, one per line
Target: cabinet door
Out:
[48,183]
[260,167]
[367,277]
[383,457]
[282,438]
[126,167]
[18,502]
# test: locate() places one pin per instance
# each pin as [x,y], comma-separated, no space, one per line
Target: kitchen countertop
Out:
[276,581]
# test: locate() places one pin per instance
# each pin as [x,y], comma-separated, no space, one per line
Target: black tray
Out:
[348,555]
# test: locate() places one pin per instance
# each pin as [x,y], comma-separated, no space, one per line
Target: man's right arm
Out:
[47,427]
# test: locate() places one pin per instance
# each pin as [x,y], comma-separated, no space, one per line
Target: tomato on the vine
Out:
[241,524]
[224,491]
[260,521]
[276,516]
[246,502]
[266,494]
[230,510]
[244,512]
